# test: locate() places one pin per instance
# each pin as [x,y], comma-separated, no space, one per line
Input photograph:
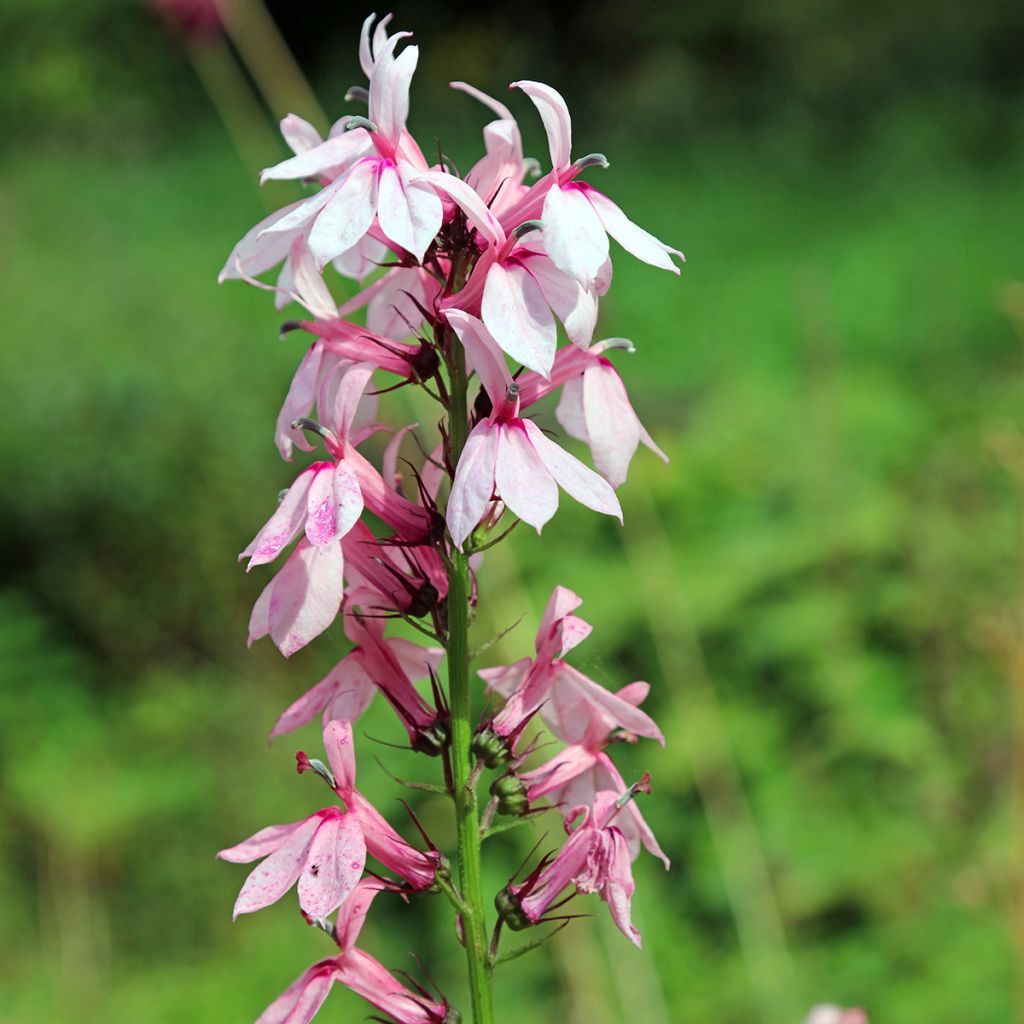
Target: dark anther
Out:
[288,326]
[357,94]
[482,407]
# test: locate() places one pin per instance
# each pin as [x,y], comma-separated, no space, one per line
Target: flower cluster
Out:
[463,279]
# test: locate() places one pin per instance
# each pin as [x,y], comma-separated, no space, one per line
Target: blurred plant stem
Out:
[269,60]
[698,725]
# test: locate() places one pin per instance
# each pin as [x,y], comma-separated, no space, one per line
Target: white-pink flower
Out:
[323,853]
[510,458]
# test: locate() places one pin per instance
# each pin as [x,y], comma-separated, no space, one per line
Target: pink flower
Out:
[416,868]
[577,218]
[299,1003]
[511,458]
[569,702]
[346,691]
[829,1013]
[324,853]
[595,858]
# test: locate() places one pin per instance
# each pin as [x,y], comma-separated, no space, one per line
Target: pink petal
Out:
[324,158]
[305,595]
[350,392]
[574,236]
[619,886]
[341,753]
[284,525]
[299,402]
[569,411]
[263,843]
[521,477]
[322,508]
[472,205]
[642,244]
[612,427]
[258,251]
[349,497]
[308,284]
[561,603]
[474,482]
[575,697]
[482,353]
[299,1002]
[409,212]
[389,87]
[346,684]
[555,116]
[579,482]
[333,866]
[347,216]
[505,679]
[573,304]
[300,135]
[269,881]
[353,911]
[415,660]
[518,317]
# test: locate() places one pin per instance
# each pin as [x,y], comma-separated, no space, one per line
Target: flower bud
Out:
[510,792]
[434,739]
[491,748]
[509,910]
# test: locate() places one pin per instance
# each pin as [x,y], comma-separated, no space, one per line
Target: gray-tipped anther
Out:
[531,167]
[304,423]
[513,392]
[289,326]
[360,122]
[591,160]
[527,226]
[357,94]
[621,344]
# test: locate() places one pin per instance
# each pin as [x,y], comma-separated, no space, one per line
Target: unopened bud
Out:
[452,1016]
[434,739]
[426,362]
[510,792]
[510,911]
[491,749]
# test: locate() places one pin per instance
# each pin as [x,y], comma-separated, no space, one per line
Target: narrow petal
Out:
[286,522]
[330,156]
[483,354]
[347,677]
[307,282]
[262,844]
[519,318]
[300,135]
[258,251]
[474,482]
[353,911]
[305,595]
[351,390]
[347,216]
[389,87]
[574,236]
[300,1001]
[322,509]
[333,866]
[521,477]
[299,402]
[555,116]
[348,497]
[578,482]
[416,661]
[472,205]
[619,886]
[573,304]
[409,212]
[569,411]
[269,881]
[612,427]
[341,753]
[642,244]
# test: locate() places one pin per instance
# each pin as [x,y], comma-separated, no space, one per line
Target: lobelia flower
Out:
[568,701]
[575,776]
[359,971]
[323,853]
[415,867]
[577,218]
[595,858]
[346,691]
[509,457]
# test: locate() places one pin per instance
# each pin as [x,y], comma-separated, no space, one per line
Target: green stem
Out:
[466,812]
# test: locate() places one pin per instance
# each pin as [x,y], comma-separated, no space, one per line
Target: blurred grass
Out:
[834,376]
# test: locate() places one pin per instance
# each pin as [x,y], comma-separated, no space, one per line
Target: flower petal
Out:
[642,244]
[333,866]
[555,116]
[269,881]
[521,478]
[305,595]
[284,525]
[578,482]
[483,354]
[574,236]
[473,485]
[261,844]
[519,318]
[347,215]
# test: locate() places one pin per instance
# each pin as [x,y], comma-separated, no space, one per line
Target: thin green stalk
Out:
[466,811]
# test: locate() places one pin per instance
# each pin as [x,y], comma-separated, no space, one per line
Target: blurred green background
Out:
[822,587]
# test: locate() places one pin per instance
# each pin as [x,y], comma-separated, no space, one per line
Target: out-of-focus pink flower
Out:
[568,701]
[417,868]
[577,218]
[595,858]
[829,1013]
[324,853]
[510,458]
